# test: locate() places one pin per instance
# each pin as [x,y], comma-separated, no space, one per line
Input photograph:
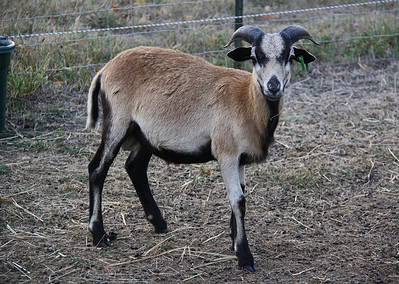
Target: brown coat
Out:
[182,103]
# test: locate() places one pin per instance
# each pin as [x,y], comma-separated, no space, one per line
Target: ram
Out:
[185,110]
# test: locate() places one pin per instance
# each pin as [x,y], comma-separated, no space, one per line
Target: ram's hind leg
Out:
[111,141]
[136,166]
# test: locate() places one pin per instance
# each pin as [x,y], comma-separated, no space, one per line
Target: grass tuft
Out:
[4,169]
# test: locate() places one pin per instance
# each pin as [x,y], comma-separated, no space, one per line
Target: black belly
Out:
[203,155]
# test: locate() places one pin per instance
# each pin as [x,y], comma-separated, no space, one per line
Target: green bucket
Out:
[6,48]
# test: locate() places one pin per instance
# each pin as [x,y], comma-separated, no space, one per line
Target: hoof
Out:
[161,229]
[249,268]
[105,240]
[160,226]
[245,258]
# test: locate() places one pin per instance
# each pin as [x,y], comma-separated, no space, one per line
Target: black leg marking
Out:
[92,166]
[136,166]
[233,224]
[98,169]
[233,227]
[233,178]
[245,258]
[96,227]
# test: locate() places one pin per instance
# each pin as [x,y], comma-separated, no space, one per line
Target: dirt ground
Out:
[322,208]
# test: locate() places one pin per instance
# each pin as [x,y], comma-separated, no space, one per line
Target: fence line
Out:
[97,37]
[207,52]
[181,29]
[88,66]
[200,21]
[202,53]
[347,39]
[134,7]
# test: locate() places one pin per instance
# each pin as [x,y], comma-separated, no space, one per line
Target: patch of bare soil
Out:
[322,208]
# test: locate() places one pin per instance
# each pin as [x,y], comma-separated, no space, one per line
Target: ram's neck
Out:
[266,113]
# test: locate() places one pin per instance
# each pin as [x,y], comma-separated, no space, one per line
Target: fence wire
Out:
[202,21]
[113,9]
[188,25]
[186,29]
[218,51]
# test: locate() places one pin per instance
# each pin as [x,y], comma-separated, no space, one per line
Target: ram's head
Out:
[271,55]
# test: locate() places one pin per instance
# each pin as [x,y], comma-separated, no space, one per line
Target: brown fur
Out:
[185,110]
[173,96]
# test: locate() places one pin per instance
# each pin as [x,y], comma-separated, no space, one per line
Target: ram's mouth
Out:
[269,96]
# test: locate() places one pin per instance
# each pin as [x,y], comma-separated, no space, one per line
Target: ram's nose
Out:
[273,85]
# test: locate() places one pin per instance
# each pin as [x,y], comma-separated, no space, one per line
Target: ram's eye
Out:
[291,55]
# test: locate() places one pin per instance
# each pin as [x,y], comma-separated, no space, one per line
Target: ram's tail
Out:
[92,102]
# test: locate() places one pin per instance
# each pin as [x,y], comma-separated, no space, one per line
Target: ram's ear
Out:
[240,54]
[297,53]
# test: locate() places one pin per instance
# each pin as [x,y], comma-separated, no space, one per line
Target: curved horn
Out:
[295,33]
[250,34]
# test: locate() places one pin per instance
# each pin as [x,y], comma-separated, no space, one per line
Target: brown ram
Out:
[185,110]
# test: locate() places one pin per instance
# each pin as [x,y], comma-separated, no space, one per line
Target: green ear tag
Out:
[303,64]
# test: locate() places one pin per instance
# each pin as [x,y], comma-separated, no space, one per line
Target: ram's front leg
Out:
[231,176]
[233,226]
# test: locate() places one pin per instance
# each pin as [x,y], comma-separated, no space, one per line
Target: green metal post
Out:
[6,48]
[237,24]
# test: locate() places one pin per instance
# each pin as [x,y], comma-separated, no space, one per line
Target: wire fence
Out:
[57,38]
[113,9]
[220,51]
[203,21]
[186,29]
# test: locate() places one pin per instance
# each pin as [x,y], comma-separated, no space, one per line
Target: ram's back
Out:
[169,77]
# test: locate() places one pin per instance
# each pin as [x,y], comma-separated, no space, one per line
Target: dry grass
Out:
[323,208]
[352,28]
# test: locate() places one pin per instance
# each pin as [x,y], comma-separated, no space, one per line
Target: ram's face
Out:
[271,55]
[272,68]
